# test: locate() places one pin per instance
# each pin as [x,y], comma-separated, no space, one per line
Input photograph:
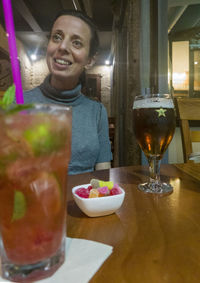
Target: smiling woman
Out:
[72,47]
[68,51]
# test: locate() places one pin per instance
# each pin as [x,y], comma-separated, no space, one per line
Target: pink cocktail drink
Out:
[34,156]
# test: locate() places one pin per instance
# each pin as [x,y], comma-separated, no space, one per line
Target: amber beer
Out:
[154,125]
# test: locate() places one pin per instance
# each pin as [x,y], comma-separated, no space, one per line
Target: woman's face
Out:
[68,51]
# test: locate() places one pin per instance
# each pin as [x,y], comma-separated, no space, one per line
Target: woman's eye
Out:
[56,37]
[77,43]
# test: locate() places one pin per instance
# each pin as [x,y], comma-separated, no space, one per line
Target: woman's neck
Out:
[61,84]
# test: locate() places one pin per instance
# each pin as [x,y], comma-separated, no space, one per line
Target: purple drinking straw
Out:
[8,15]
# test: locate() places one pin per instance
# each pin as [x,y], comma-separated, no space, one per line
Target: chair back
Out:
[111,122]
[188,109]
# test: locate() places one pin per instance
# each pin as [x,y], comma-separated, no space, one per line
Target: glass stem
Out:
[154,169]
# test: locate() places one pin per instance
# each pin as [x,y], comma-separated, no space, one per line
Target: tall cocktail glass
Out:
[34,154]
[154,125]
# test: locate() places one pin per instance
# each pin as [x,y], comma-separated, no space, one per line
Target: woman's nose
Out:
[64,46]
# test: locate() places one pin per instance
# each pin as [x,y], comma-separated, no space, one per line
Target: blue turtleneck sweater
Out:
[90,136]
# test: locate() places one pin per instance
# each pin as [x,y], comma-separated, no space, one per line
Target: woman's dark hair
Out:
[94,42]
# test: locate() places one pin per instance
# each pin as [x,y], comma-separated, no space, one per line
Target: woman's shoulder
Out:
[95,108]
[32,91]
[93,102]
[33,95]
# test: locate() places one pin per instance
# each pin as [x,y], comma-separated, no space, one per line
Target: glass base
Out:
[156,188]
[37,271]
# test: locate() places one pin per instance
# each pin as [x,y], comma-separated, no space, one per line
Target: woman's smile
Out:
[62,64]
[63,61]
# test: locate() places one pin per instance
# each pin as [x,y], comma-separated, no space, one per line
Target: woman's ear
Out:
[91,62]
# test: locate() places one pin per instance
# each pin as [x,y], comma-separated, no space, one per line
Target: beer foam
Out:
[153,103]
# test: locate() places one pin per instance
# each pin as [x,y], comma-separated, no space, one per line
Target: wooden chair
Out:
[111,122]
[188,109]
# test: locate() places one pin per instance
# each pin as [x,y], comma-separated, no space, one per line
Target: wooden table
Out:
[190,168]
[156,239]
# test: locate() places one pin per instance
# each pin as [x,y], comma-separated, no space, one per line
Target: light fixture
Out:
[33,57]
[195,62]
[107,62]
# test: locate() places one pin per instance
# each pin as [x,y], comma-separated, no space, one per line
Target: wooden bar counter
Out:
[155,239]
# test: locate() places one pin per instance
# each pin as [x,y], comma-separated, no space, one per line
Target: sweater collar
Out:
[66,96]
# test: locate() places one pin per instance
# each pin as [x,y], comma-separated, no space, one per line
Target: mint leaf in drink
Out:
[8,97]
[18,108]
[19,209]
[6,102]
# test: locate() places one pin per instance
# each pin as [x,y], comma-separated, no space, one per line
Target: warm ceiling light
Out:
[33,57]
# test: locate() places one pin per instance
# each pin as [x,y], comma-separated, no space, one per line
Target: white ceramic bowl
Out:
[101,206]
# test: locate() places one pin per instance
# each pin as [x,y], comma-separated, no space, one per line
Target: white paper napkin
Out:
[83,259]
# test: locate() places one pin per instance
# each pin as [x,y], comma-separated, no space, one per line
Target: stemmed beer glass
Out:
[154,125]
